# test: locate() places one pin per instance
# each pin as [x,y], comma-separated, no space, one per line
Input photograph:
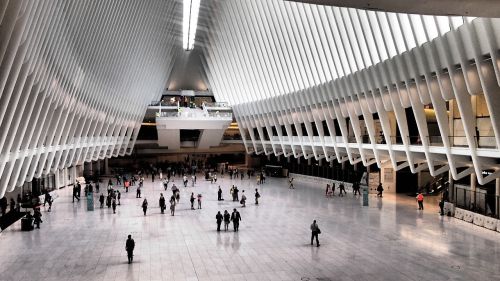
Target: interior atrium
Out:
[322,127]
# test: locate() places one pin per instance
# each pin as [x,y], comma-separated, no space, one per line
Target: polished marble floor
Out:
[389,240]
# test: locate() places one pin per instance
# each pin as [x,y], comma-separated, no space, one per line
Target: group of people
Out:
[112,199]
[235,217]
[330,190]
[12,205]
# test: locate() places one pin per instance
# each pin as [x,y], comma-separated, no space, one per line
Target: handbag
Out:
[319,231]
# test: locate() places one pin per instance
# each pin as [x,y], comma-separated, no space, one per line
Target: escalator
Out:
[10,218]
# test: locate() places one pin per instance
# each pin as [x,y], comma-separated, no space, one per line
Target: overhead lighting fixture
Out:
[189,23]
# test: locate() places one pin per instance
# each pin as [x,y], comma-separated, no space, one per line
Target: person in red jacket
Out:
[420,201]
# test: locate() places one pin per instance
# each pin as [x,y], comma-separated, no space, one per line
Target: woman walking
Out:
[199,201]
[192,200]
[243,199]
[172,205]
[162,204]
[227,219]
[145,206]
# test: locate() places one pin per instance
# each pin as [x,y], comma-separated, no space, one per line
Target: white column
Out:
[473,188]
[497,193]
[106,166]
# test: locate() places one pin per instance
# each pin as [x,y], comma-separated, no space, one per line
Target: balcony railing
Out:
[195,114]
[455,141]
[215,104]
[478,201]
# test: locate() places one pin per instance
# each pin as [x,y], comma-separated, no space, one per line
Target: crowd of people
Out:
[113,197]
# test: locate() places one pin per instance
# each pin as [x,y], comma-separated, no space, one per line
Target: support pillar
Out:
[98,167]
[451,189]
[106,166]
[473,188]
[497,197]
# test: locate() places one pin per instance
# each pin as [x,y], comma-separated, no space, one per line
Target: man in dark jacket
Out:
[3,205]
[219,194]
[163,205]
[236,218]
[219,218]
[314,232]
[101,200]
[129,247]
[380,189]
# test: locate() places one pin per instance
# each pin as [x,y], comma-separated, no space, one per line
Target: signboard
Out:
[90,201]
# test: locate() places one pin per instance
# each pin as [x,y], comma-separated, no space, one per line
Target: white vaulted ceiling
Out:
[271,48]
[76,76]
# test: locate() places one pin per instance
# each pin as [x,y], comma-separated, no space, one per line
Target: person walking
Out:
[3,205]
[257,196]
[215,178]
[199,200]
[192,181]
[441,206]
[37,215]
[380,189]
[97,186]
[178,196]
[420,201]
[290,184]
[101,200]
[236,218]
[219,194]
[108,200]
[113,205]
[127,185]
[174,190]
[185,181]
[162,203]
[355,188]
[19,202]
[342,189]
[227,220]
[138,192]
[145,206]
[192,200]
[315,231]
[243,199]
[327,189]
[172,205]
[46,197]
[118,196]
[235,194]
[129,247]
[12,204]
[50,201]
[75,193]
[218,218]
[232,192]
